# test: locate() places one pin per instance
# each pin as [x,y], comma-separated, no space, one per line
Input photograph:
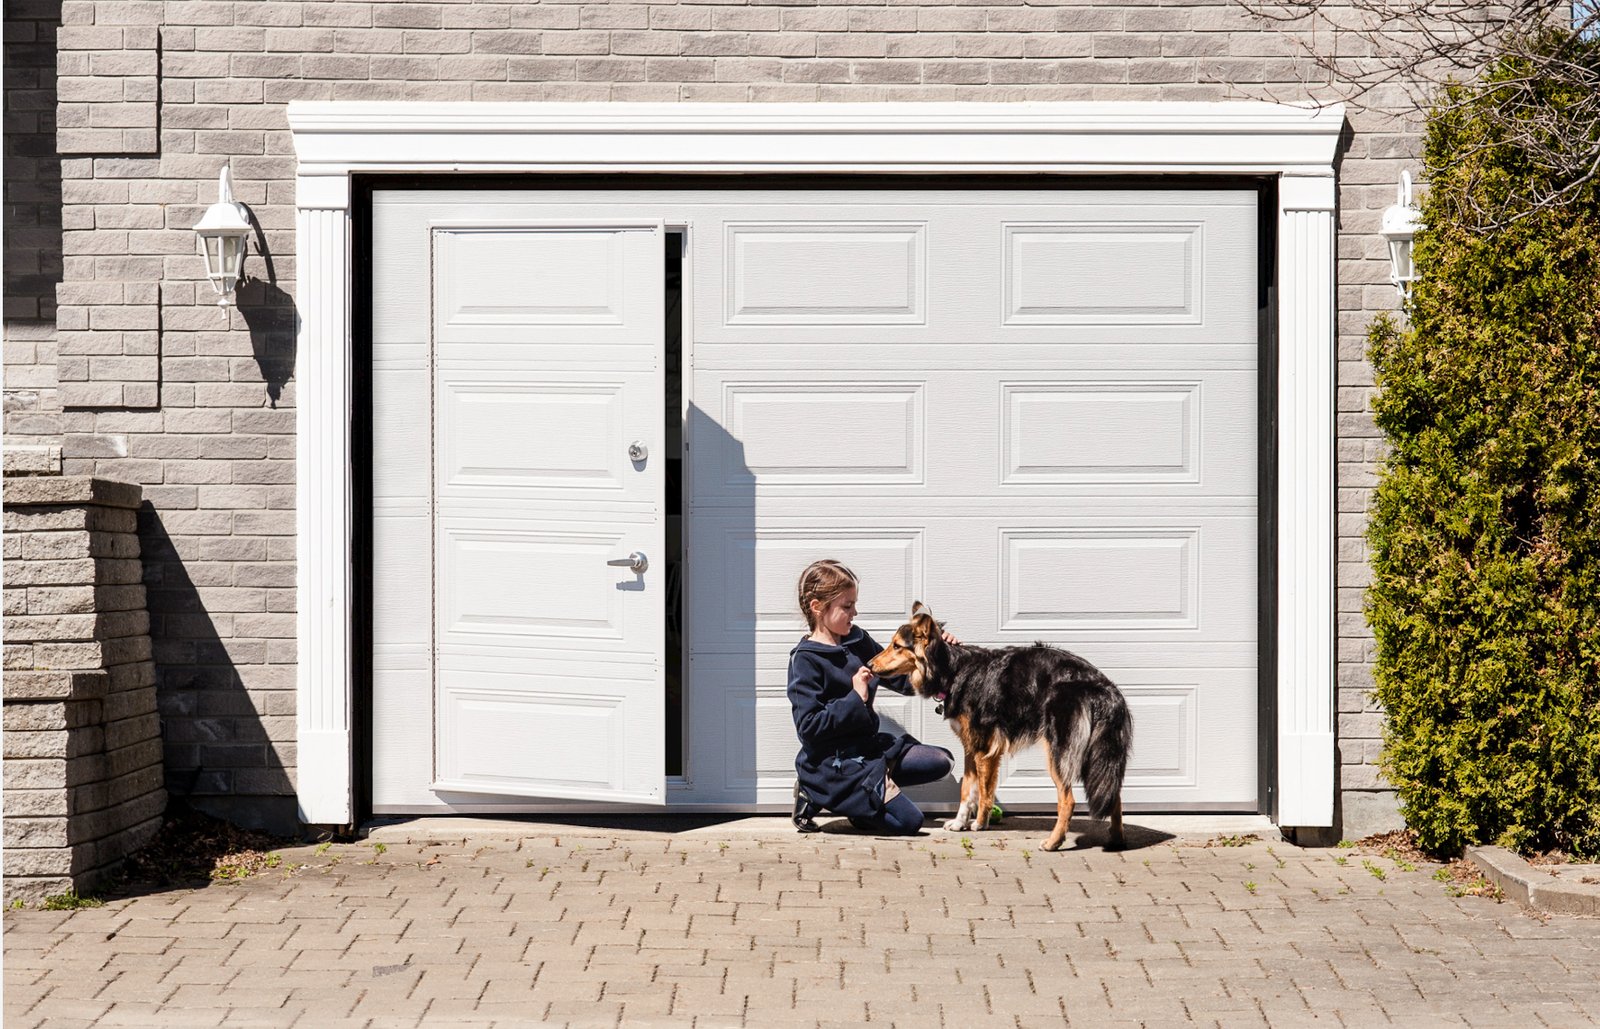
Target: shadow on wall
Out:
[32,168]
[725,679]
[272,318]
[224,753]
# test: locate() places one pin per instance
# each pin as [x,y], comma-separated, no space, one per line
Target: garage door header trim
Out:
[1294,144]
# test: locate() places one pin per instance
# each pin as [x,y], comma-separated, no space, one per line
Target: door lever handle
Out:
[636,561]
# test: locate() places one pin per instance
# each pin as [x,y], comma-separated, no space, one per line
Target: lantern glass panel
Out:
[232,257]
[1400,260]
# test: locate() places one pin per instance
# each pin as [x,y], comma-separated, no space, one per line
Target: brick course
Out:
[137,332]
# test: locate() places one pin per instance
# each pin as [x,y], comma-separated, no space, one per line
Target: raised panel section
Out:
[1113,578]
[790,433]
[553,740]
[507,276]
[1131,273]
[513,434]
[820,273]
[1100,432]
[1165,751]
[1166,737]
[523,582]
[759,570]
[758,732]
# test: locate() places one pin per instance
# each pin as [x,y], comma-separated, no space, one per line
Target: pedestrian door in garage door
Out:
[517,623]
[1035,410]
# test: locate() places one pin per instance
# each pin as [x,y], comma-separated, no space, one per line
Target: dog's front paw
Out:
[957,824]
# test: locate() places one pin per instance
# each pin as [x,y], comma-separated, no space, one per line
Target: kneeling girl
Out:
[846,765]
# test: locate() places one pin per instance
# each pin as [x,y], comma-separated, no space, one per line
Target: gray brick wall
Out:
[160,388]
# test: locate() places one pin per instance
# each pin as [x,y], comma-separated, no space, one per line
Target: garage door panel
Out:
[542,284]
[1104,273]
[1026,273]
[757,732]
[521,580]
[825,273]
[746,743]
[946,433]
[571,736]
[785,433]
[749,587]
[742,739]
[1127,577]
[1066,433]
[535,432]
[1190,750]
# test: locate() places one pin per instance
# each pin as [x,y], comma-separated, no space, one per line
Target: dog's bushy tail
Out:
[1106,757]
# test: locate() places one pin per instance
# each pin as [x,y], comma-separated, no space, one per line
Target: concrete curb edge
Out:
[1526,885]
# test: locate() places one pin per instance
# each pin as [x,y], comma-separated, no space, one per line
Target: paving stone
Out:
[1003,939]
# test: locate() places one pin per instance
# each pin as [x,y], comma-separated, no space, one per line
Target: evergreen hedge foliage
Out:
[1485,528]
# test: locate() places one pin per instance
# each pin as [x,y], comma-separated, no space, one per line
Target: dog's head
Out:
[907,652]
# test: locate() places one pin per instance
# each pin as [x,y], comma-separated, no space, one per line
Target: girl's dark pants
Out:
[920,764]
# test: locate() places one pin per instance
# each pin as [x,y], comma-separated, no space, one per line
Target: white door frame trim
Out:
[334,140]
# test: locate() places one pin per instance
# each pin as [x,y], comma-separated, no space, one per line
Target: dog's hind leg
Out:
[1115,840]
[1058,834]
[969,789]
[988,779]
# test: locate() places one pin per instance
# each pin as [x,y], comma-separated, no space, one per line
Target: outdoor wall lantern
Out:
[1399,225]
[223,231]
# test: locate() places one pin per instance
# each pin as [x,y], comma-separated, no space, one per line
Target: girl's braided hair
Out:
[823,581]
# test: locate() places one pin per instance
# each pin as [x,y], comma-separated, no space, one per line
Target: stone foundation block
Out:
[83,776]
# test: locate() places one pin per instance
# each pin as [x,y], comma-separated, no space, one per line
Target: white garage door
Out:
[1035,411]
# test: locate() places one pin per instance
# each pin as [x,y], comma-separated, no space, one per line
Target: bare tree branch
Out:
[1434,53]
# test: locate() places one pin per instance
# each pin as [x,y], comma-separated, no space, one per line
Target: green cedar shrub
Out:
[1485,524]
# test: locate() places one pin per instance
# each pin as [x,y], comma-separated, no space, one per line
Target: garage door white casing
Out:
[334,140]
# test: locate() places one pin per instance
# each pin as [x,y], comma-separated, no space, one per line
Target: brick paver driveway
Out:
[602,927]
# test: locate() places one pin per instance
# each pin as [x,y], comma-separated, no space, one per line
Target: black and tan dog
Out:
[1003,699]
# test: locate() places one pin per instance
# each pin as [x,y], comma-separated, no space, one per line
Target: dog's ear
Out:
[918,607]
[923,628]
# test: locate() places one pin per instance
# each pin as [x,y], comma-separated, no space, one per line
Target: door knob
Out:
[637,451]
[635,561]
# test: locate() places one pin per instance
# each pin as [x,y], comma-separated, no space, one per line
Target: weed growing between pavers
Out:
[1461,878]
[243,864]
[1238,840]
[70,901]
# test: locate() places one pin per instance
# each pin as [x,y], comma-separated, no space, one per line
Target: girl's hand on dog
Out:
[861,682]
[948,637]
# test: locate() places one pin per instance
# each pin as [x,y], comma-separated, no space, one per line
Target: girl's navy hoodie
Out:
[843,756]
